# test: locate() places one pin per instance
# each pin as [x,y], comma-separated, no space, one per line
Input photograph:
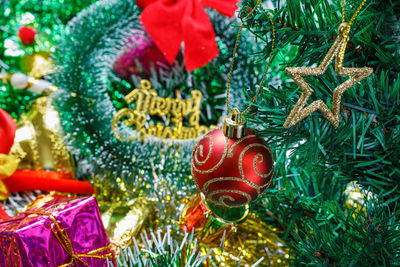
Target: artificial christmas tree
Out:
[314,161]
[330,193]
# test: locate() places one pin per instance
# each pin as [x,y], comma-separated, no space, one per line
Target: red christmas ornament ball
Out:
[232,172]
[27,35]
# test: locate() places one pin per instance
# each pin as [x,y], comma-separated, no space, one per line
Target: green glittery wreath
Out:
[90,94]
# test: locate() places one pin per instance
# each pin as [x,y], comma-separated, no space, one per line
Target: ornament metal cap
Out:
[235,125]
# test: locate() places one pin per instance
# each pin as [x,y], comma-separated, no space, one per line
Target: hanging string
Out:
[354,15]
[345,31]
[234,54]
[258,4]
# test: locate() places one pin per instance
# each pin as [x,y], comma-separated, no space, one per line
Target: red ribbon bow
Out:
[29,180]
[171,22]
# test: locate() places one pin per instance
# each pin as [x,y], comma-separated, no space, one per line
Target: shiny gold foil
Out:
[207,229]
[300,110]
[253,240]
[248,241]
[37,65]
[125,221]
[37,142]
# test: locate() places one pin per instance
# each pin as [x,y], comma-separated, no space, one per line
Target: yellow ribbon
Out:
[8,165]
[66,243]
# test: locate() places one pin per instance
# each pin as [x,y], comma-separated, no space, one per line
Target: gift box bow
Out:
[171,22]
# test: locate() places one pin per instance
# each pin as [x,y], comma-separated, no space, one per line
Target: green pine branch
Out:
[314,161]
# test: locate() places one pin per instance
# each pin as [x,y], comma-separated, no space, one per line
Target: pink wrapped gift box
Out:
[64,231]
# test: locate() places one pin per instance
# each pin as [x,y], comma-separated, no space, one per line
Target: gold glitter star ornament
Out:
[300,110]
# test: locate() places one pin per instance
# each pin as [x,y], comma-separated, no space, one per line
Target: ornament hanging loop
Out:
[343,32]
[235,125]
[344,29]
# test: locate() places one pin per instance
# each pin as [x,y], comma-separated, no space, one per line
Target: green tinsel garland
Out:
[87,84]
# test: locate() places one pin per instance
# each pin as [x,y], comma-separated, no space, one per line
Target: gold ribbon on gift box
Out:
[66,243]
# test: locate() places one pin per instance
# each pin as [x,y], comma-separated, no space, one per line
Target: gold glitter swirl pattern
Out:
[199,150]
[220,179]
[259,158]
[238,170]
[254,161]
[223,198]
[230,151]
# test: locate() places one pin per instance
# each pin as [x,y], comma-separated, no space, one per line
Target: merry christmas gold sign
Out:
[148,103]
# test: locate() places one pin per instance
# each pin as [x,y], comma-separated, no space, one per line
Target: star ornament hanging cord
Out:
[337,51]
